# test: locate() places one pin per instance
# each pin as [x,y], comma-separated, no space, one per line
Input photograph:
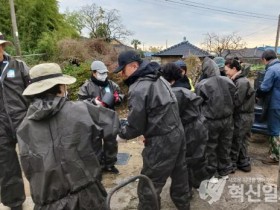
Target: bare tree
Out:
[103,24]
[115,29]
[92,16]
[218,44]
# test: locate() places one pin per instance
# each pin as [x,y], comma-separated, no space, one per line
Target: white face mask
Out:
[101,77]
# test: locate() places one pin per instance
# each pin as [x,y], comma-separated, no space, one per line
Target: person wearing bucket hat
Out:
[185,80]
[13,79]
[103,92]
[58,140]
[153,113]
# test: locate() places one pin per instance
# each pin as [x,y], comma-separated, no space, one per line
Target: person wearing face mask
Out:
[57,143]
[103,92]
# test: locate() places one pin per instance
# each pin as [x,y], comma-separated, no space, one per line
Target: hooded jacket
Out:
[217,92]
[13,80]
[193,121]
[271,83]
[244,97]
[93,88]
[153,109]
[184,82]
[57,149]
[153,113]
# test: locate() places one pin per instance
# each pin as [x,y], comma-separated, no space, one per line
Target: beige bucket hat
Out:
[44,76]
[3,41]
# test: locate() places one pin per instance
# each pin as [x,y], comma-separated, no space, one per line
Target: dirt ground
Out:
[260,176]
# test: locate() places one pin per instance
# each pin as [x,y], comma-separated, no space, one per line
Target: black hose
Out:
[132,179]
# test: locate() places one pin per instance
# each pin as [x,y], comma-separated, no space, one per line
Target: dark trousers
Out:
[219,146]
[162,158]
[110,151]
[12,189]
[90,198]
[242,127]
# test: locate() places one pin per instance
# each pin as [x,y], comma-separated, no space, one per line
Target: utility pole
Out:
[15,29]
[277,35]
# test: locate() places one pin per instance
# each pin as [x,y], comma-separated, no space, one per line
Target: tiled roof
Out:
[243,53]
[183,49]
[271,48]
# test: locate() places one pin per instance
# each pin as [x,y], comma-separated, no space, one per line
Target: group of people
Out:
[190,133]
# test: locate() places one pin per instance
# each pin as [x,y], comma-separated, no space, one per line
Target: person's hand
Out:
[98,102]
[119,139]
[123,122]
[116,97]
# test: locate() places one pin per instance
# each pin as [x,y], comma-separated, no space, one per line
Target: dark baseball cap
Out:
[180,63]
[127,57]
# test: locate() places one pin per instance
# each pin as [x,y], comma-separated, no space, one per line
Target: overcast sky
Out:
[166,22]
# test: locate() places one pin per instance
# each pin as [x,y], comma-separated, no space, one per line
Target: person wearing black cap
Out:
[153,113]
[185,80]
[104,92]
[13,106]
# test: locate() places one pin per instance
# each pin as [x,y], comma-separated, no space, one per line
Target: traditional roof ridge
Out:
[198,48]
[184,49]
[173,46]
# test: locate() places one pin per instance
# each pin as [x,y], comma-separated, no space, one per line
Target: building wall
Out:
[165,60]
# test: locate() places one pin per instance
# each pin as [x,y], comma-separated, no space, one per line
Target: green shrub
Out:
[47,44]
[81,73]
[257,67]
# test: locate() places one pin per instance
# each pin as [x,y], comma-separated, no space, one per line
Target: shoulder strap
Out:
[4,72]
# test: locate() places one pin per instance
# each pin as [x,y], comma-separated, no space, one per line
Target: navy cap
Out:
[180,63]
[127,57]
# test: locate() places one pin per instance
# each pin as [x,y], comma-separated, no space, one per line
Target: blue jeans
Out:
[273,122]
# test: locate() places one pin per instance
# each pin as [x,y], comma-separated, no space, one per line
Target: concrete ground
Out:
[258,186]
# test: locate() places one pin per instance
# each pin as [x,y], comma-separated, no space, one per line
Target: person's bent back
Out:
[56,142]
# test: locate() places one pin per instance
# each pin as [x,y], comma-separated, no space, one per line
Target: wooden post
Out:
[277,35]
[15,29]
